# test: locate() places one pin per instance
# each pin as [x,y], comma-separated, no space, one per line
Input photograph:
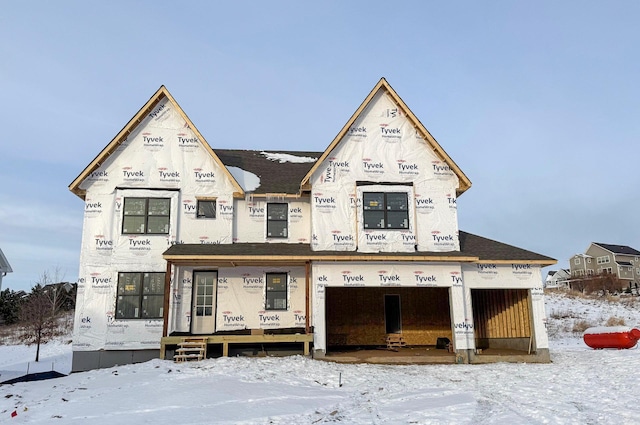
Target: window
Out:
[206,208]
[589,260]
[603,260]
[140,296]
[276,291]
[385,210]
[146,216]
[277,220]
[576,261]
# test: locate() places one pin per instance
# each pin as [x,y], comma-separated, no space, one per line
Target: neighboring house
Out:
[599,258]
[558,278]
[5,267]
[330,249]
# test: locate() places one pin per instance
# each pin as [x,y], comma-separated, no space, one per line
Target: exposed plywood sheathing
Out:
[501,313]
[355,316]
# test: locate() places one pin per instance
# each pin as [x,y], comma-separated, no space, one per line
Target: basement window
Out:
[146,216]
[385,210]
[276,298]
[277,220]
[140,295]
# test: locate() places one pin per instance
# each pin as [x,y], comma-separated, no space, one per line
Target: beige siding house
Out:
[599,258]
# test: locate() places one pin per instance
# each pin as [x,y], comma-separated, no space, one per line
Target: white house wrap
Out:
[339,248]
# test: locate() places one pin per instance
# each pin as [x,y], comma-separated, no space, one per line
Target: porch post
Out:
[307,283]
[167,296]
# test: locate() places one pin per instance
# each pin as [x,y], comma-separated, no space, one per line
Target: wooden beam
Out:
[307,281]
[167,297]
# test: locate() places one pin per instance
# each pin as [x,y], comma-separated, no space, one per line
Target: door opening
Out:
[203,302]
[392,314]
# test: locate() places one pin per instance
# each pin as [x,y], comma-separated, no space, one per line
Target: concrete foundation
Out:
[88,360]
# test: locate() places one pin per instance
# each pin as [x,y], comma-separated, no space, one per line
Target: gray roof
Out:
[618,249]
[624,263]
[5,267]
[470,246]
[275,176]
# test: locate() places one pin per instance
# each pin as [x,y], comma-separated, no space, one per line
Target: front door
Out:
[204,301]
[392,316]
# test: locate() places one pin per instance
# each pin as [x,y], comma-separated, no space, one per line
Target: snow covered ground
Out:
[580,386]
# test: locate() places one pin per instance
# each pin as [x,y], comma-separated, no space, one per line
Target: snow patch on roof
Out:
[285,157]
[246,179]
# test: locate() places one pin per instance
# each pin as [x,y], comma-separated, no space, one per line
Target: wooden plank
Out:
[165,302]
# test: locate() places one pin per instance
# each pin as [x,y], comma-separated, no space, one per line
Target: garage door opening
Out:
[362,317]
[502,319]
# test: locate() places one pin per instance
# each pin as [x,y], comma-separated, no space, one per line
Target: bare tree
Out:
[41,309]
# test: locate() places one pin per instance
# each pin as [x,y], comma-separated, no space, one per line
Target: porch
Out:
[168,344]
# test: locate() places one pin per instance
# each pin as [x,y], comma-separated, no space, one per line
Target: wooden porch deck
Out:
[226,340]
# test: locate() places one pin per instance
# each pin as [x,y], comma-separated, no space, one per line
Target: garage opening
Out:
[361,317]
[502,319]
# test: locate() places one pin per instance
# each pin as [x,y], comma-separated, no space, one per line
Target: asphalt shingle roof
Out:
[618,249]
[275,176]
[470,246]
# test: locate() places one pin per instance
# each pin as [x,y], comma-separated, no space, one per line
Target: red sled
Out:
[611,337]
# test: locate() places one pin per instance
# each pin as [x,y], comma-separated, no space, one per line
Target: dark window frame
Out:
[140,296]
[283,293]
[284,220]
[204,215]
[385,210]
[146,215]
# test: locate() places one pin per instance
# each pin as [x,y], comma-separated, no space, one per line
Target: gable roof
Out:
[465,183]
[160,94]
[618,249]
[5,267]
[473,248]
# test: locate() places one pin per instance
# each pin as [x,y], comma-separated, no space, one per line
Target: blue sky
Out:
[537,102]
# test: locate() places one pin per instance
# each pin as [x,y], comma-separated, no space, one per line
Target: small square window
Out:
[206,208]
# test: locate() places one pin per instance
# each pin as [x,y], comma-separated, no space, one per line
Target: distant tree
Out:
[10,302]
[41,309]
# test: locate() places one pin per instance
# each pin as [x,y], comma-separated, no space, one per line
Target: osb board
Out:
[355,316]
[501,313]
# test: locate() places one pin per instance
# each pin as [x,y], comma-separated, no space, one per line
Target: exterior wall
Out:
[164,154]
[239,299]
[383,147]
[581,265]
[250,224]
[621,271]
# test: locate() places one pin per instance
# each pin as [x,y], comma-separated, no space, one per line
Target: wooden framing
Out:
[257,260]
[226,340]
[501,313]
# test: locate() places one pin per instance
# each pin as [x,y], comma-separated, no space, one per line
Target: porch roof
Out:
[473,249]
